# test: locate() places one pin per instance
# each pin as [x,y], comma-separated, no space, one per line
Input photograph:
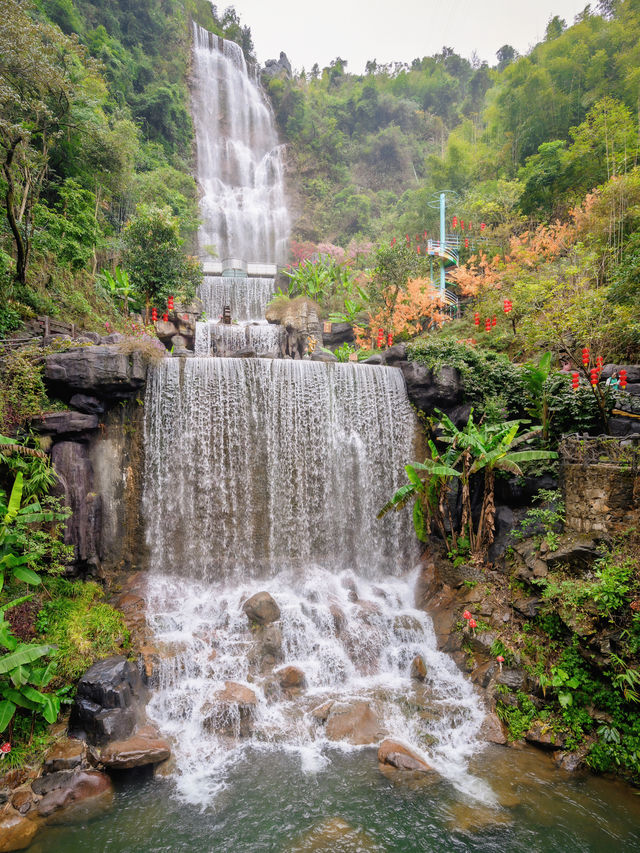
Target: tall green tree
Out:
[154,258]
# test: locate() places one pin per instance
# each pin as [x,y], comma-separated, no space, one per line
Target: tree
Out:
[505,56]
[36,91]
[154,258]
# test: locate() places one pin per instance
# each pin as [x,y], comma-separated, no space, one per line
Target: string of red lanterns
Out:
[622,377]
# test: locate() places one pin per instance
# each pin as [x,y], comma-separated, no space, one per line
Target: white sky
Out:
[394,30]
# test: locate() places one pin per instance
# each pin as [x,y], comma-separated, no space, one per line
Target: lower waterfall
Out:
[265,476]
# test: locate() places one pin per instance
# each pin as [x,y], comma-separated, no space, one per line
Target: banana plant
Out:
[120,287]
[535,377]
[487,448]
[428,489]
[11,560]
[20,680]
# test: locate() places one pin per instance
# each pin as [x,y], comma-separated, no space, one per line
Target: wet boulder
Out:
[418,668]
[107,701]
[397,755]
[141,749]
[16,832]
[232,712]
[291,678]
[354,722]
[261,608]
[428,389]
[79,796]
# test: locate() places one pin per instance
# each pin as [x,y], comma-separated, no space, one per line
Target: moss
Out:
[84,628]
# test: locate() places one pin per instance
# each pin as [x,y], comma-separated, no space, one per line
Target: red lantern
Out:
[170,303]
[585,356]
[487,325]
[575,381]
[599,362]
[462,224]
[418,249]
[380,338]
[154,315]
[494,320]
[389,340]
[473,624]
[468,226]
[482,226]
[406,237]
[623,378]
[454,222]
[466,615]
[476,319]
[425,235]
[466,242]
[594,376]
[165,317]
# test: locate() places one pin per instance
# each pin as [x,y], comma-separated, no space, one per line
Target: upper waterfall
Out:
[239,161]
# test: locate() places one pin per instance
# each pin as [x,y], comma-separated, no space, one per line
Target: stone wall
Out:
[97,451]
[597,497]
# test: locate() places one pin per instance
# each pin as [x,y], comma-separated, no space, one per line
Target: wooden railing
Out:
[40,327]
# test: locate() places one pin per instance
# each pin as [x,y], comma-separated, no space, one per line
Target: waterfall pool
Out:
[269,805]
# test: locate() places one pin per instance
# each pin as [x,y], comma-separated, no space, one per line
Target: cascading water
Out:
[239,161]
[266,475]
[240,175]
[218,339]
[247,299]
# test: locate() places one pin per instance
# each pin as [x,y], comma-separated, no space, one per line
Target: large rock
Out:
[261,608]
[64,755]
[291,678]
[75,486]
[105,707]
[277,67]
[401,757]
[394,355]
[428,389]
[85,403]
[575,551]
[104,370]
[80,796]
[232,712]
[418,668]
[543,736]
[354,722]
[143,748]
[324,356]
[16,832]
[341,333]
[65,423]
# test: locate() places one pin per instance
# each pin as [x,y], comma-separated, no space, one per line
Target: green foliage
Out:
[486,376]
[549,515]
[343,352]
[153,257]
[83,627]
[518,718]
